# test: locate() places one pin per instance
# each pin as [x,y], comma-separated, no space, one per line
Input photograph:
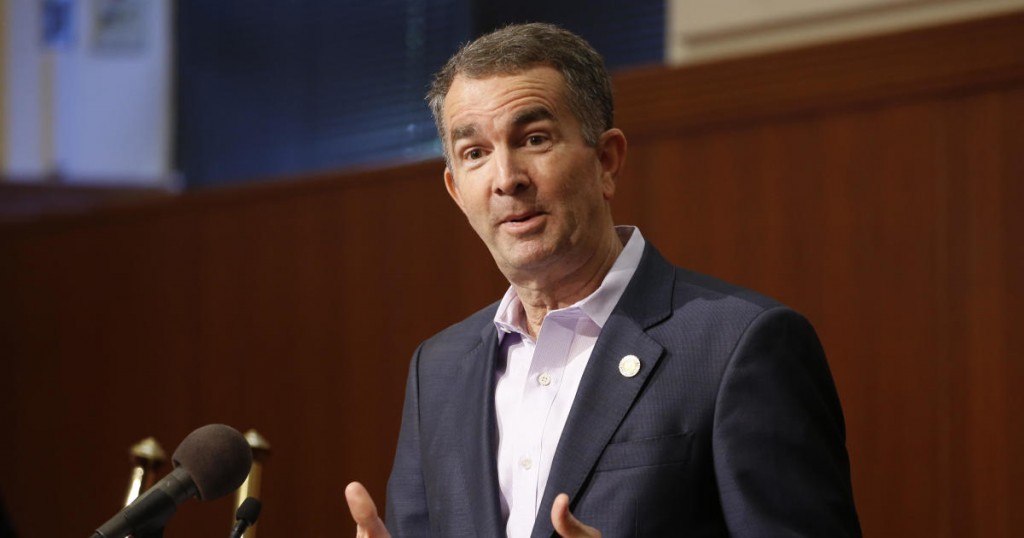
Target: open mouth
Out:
[522,222]
[523,218]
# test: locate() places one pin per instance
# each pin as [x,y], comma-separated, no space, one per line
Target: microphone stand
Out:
[156,503]
[155,533]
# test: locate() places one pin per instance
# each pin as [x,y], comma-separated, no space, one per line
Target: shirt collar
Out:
[511,318]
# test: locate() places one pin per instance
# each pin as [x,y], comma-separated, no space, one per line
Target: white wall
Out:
[701,30]
[23,107]
[86,113]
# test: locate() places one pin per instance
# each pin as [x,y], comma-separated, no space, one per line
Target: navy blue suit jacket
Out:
[732,427]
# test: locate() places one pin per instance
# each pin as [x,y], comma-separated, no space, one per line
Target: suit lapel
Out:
[479,442]
[605,395]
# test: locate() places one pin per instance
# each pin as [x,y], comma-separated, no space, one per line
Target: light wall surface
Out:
[93,106]
[24,106]
[112,96]
[3,81]
[703,30]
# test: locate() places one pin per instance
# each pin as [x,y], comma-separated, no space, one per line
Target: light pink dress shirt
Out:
[536,389]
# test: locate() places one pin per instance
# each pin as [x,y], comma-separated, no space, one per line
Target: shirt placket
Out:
[539,391]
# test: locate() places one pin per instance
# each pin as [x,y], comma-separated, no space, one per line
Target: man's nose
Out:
[512,175]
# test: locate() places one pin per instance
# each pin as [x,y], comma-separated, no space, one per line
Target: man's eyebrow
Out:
[531,115]
[462,131]
[521,118]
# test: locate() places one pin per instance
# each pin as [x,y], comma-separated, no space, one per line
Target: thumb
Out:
[566,524]
[364,512]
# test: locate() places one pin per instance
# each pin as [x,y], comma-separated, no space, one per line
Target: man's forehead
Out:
[537,77]
[536,93]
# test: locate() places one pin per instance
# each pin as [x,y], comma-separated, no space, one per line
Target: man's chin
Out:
[524,258]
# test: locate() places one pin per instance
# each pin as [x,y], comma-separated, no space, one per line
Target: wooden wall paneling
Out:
[252,309]
[984,226]
[1009,320]
[283,332]
[92,333]
[901,415]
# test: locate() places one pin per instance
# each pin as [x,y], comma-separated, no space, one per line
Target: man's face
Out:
[531,188]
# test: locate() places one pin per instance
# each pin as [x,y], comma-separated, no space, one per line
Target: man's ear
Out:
[453,191]
[611,152]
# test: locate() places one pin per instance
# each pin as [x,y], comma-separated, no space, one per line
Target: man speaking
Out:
[608,392]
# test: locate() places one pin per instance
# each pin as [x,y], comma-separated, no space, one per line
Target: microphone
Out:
[210,462]
[246,515]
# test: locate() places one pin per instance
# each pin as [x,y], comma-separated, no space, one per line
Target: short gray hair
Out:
[518,47]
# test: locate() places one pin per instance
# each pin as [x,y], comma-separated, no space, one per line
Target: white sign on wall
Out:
[88,97]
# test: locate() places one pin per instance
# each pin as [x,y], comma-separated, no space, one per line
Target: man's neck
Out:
[540,295]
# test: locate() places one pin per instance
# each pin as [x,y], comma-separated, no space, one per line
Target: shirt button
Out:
[544,379]
[526,463]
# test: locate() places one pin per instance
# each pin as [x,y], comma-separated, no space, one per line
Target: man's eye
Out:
[473,154]
[535,140]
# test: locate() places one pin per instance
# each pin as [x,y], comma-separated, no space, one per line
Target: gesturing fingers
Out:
[566,524]
[364,512]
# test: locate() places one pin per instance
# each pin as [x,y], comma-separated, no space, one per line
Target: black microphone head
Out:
[217,458]
[249,510]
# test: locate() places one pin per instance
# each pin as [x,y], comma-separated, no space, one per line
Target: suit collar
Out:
[648,298]
[598,306]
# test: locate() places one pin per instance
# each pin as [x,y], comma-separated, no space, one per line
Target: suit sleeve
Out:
[779,436]
[406,513]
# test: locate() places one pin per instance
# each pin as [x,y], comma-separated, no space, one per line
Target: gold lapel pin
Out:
[629,366]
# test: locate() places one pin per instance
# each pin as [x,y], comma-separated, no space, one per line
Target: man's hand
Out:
[566,524]
[364,512]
